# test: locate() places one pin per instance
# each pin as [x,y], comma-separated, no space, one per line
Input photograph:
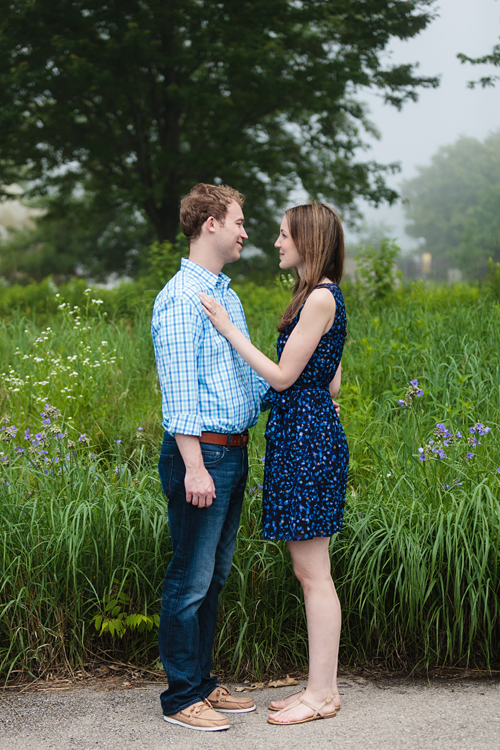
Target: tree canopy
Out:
[454,204]
[134,101]
[493,58]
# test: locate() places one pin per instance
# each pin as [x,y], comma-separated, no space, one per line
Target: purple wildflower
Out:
[441,453]
[118,442]
[459,434]
[414,383]
[422,457]
[82,437]
[469,455]
[140,429]
[419,393]
[472,430]
[46,421]
[401,402]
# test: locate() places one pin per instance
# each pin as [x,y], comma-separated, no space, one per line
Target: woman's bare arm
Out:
[315,320]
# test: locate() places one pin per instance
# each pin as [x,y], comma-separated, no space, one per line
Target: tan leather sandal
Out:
[316,715]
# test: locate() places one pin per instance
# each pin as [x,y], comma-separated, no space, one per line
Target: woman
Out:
[306,456]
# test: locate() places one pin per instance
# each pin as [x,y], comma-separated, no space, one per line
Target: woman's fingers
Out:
[209,304]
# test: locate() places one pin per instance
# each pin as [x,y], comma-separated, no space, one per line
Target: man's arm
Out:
[200,489]
[176,335]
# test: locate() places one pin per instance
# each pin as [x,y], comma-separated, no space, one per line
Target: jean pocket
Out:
[212,454]
[165,469]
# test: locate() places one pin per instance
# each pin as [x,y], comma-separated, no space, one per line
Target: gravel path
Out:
[385,715]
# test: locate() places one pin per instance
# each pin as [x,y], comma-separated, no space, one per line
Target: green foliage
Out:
[376,273]
[493,278]
[454,202]
[115,621]
[492,59]
[416,565]
[162,261]
[134,102]
[76,236]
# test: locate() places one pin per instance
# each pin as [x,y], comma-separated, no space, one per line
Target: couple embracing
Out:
[213,382]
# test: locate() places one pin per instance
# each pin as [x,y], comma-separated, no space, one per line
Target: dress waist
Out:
[285,406]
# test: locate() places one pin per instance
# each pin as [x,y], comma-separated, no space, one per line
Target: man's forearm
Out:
[200,489]
[189,447]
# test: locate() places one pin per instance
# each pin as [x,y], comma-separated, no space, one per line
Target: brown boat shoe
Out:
[199,716]
[221,700]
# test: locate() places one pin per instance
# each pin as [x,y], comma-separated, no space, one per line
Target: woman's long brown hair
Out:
[317,232]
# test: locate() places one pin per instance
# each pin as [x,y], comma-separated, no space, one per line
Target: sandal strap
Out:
[290,705]
[316,709]
[299,692]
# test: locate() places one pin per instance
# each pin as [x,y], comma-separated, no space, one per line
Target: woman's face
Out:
[289,255]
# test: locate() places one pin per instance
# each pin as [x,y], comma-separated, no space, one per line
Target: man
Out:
[210,397]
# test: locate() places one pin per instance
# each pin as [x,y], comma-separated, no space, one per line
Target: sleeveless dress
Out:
[307,458]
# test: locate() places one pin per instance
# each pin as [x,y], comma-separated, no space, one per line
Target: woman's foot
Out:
[336,700]
[304,709]
[279,705]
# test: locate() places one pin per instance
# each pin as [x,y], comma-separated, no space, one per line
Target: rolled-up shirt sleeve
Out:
[177,328]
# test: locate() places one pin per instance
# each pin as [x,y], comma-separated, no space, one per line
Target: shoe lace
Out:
[221,690]
[197,708]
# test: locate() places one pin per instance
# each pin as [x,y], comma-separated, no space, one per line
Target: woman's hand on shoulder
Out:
[216,313]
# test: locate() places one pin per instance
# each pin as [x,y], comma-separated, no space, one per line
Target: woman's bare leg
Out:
[311,564]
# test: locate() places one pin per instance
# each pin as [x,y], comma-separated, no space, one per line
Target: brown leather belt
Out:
[217,438]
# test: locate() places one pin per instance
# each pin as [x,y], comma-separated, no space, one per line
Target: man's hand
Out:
[200,489]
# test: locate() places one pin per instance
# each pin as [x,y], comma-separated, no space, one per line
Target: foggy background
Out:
[440,116]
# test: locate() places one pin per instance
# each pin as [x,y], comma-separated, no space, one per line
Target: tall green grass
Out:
[417,565]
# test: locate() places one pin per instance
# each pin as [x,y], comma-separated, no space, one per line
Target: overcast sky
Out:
[441,115]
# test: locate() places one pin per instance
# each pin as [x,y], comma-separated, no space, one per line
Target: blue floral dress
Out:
[307,457]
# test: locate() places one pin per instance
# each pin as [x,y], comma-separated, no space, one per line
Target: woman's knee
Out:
[310,577]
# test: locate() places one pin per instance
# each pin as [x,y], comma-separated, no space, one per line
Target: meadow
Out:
[85,538]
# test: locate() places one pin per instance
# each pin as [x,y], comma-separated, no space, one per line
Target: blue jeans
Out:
[203,542]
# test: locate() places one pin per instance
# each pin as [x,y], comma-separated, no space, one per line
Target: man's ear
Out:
[211,224]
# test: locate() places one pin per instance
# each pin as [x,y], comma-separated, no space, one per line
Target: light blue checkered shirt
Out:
[205,384]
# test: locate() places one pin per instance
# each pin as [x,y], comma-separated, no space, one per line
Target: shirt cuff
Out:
[185,424]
